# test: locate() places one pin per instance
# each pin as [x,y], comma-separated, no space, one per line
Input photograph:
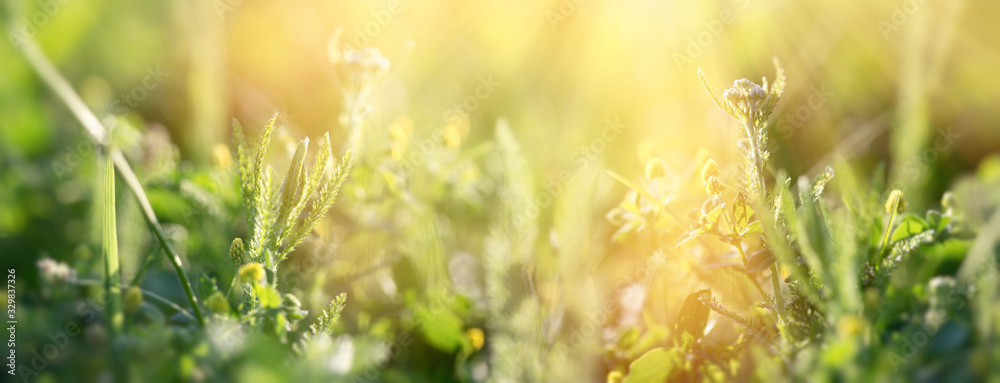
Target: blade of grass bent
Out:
[48,73]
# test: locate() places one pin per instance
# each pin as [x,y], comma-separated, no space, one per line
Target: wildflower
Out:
[251,272]
[362,67]
[711,169]
[477,337]
[236,251]
[748,102]
[133,298]
[218,303]
[54,271]
[751,105]
[710,177]
[366,61]
[655,169]
[895,200]
[615,376]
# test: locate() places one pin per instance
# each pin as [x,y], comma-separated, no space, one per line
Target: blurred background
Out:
[904,87]
[562,69]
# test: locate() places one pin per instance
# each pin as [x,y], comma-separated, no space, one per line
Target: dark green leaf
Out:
[937,221]
[693,315]
[760,261]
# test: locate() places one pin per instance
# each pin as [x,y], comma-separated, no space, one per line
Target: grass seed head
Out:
[236,251]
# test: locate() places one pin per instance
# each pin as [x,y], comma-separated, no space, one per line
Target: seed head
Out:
[711,169]
[133,298]
[655,169]
[895,200]
[748,102]
[236,251]
[710,177]
[251,272]
[218,303]
[714,186]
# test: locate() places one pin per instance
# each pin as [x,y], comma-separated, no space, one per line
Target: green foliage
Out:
[834,301]
[460,269]
[653,366]
[329,317]
[273,214]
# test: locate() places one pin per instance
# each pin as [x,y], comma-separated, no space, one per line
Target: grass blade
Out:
[112,271]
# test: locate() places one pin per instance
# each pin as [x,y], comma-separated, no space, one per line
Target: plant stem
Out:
[99,136]
[739,248]
[146,293]
[779,302]
[888,229]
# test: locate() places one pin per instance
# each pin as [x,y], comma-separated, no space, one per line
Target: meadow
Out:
[500,191]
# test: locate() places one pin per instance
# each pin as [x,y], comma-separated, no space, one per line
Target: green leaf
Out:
[628,339]
[269,297]
[754,227]
[693,315]
[760,260]
[280,324]
[711,224]
[653,366]
[441,328]
[711,219]
[936,221]
[908,227]
[742,212]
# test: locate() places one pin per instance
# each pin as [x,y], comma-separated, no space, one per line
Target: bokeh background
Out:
[874,82]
